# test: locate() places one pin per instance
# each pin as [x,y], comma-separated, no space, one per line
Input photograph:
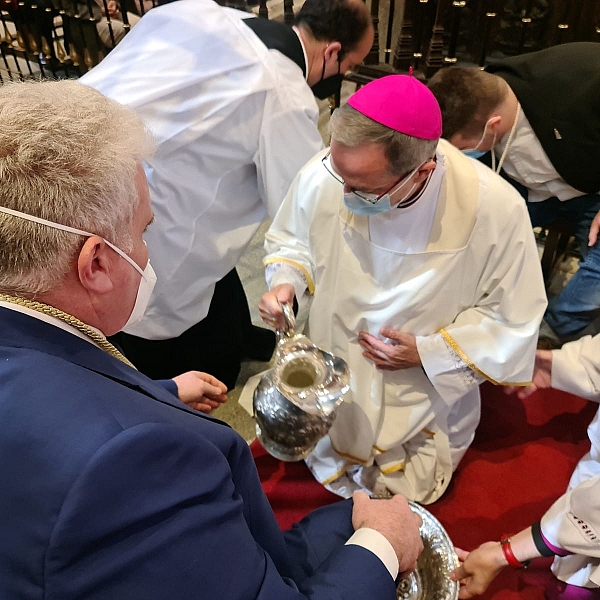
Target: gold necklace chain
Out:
[46,309]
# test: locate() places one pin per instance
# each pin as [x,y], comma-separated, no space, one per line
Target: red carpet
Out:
[519,463]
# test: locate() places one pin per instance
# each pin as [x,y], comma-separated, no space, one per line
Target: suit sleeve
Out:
[157,513]
[169,385]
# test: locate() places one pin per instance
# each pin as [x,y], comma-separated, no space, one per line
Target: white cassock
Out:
[459,270]
[573,521]
[234,122]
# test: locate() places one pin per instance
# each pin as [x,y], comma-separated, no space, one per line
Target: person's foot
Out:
[261,344]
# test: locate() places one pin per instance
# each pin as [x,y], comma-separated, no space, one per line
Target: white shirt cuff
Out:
[378,544]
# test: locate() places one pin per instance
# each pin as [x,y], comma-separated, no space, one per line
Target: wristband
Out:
[511,559]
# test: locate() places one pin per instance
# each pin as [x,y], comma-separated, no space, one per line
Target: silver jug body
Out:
[295,402]
[285,430]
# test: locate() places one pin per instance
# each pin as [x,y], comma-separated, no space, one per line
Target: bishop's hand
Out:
[399,352]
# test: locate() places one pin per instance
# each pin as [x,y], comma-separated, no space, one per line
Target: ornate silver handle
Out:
[289,328]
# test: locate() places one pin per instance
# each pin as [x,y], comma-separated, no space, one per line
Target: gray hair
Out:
[404,153]
[70,155]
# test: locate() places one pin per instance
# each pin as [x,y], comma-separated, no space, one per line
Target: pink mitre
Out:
[402,103]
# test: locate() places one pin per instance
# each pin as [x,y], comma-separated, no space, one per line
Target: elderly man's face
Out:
[142,217]
[363,168]
[130,278]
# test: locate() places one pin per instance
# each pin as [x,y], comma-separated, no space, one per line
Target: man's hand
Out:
[394,520]
[200,391]
[594,229]
[478,568]
[399,353]
[270,304]
[542,376]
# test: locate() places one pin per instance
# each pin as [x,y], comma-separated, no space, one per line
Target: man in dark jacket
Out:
[111,486]
[539,115]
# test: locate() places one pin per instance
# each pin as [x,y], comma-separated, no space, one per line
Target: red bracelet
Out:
[511,559]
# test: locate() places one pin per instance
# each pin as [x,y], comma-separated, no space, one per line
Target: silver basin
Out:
[430,580]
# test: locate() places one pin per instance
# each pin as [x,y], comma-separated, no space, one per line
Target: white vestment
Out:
[573,521]
[473,296]
[234,122]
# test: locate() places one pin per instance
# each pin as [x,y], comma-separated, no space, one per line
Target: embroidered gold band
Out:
[472,365]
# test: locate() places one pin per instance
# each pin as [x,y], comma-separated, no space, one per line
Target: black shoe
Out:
[261,344]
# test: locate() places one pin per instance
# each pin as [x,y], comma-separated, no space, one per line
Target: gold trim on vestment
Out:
[393,469]
[334,477]
[354,459]
[472,365]
[280,259]
[51,311]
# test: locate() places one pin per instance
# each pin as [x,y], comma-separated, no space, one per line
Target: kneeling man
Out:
[425,277]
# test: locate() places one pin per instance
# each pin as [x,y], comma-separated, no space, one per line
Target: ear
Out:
[495,124]
[424,170]
[332,50]
[94,266]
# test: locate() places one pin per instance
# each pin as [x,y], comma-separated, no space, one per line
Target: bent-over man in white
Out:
[228,99]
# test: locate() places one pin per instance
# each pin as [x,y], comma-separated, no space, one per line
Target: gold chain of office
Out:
[46,309]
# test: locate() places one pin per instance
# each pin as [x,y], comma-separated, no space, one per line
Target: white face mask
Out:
[145,289]
[147,281]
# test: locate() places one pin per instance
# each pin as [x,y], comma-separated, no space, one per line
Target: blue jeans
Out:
[578,304]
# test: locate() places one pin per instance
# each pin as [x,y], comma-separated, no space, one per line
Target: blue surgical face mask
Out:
[371,204]
[474,152]
[363,207]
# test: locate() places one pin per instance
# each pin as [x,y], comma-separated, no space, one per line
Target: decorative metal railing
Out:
[65,38]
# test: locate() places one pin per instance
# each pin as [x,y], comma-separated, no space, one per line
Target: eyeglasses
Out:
[371,198]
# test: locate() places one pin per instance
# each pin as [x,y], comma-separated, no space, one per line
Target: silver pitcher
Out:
[295,402]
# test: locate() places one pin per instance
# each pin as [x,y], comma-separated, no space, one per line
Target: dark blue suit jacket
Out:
[111,488]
